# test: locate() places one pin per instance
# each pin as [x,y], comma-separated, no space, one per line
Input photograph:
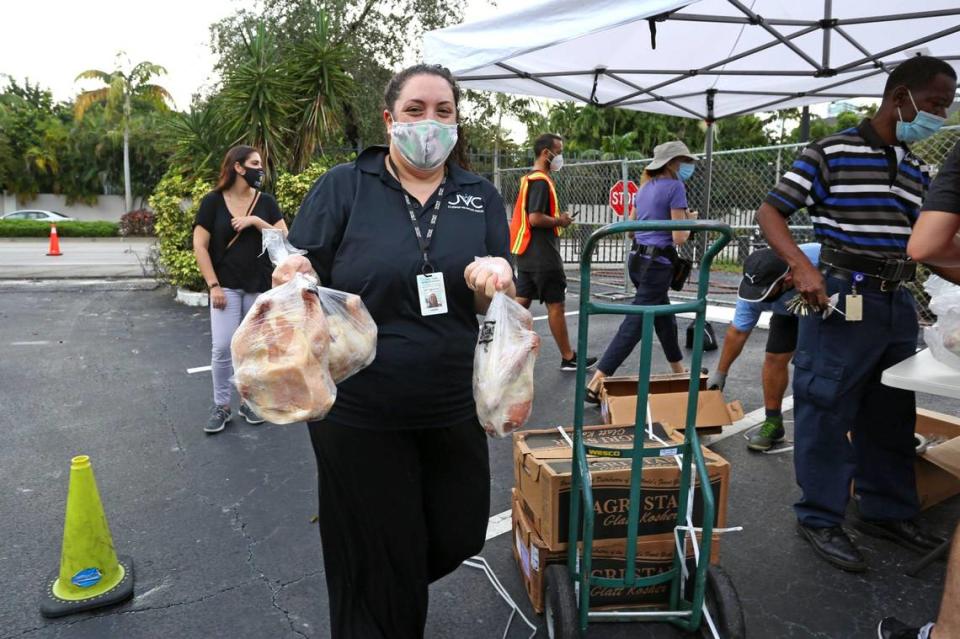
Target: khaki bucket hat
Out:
[663,153]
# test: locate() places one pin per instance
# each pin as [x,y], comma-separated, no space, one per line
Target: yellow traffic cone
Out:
[90,575]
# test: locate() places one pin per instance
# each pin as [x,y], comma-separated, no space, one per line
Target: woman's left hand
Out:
[488,275]
[240,223]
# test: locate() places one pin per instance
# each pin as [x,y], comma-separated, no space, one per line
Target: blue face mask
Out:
[684,171]
[923,126]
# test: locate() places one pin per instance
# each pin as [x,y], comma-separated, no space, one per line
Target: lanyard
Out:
[423,241]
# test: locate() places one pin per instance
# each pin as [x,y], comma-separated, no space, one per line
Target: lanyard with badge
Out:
[430,289]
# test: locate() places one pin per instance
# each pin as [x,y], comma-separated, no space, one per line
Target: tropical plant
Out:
[257,98]
[175,202]
[321,85]
[119,94]
[292,188]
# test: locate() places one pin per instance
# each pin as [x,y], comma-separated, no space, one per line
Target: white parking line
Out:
[499,524]
[37,343]
[198,369]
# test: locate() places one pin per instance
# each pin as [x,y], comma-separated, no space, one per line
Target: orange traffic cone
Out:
[54,242]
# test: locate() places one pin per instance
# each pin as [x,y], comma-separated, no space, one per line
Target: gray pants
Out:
[223,324]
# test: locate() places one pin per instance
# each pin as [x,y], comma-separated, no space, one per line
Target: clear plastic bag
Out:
[280,354]
[503,364]
[352,331]
[943,338]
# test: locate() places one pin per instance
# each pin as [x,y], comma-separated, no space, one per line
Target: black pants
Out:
[398,510]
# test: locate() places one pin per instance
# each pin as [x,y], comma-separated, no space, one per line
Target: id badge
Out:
[854,305]
[432,294]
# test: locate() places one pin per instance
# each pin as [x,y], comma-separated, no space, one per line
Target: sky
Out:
[51,41]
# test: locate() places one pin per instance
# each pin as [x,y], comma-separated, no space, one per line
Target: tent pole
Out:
[711,93]
[627,241]
[709,152]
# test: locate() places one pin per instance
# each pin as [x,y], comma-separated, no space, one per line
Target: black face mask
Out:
[253,177]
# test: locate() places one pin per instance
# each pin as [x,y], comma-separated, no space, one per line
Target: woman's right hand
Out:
[291,265]
[218,299]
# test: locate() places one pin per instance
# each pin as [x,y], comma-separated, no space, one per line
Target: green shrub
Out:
[175,202]
[292,188]
[34,228]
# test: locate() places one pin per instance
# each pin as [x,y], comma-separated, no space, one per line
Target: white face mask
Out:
[425,144]
[556,163]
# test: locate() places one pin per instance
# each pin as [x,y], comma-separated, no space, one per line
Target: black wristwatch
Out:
[213,286]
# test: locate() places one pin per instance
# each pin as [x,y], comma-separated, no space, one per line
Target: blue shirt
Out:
[747,314]
[654,201]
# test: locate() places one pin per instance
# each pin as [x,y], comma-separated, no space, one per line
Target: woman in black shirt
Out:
[403,469]
[227,245]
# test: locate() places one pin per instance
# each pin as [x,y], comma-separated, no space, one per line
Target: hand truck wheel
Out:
[723,602]
[560,606]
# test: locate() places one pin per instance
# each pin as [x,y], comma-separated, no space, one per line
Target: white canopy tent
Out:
[712,58]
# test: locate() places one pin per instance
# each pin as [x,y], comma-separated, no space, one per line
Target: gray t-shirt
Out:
[543,251]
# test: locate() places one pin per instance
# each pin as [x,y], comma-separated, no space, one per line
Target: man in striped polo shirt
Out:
[862,188]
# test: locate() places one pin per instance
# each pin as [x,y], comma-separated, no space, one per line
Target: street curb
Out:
[101,284]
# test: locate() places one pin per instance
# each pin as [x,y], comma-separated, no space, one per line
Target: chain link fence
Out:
[741,180]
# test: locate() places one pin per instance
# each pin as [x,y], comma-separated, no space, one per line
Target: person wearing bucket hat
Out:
[662,196]
[764,287]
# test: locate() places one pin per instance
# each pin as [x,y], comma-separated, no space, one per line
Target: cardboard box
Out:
[653,557]
[668,403]
[938,468]
[542,474]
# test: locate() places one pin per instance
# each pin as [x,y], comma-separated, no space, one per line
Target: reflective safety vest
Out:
[520,225]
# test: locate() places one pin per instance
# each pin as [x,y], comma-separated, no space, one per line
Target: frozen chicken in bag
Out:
[503,366]
[280,354]
[352,331]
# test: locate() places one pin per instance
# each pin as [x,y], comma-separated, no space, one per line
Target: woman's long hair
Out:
[228,174]
[396,84]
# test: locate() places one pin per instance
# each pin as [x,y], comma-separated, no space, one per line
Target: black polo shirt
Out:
[356,230]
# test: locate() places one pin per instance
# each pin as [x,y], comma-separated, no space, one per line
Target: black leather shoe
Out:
[902,531]
[834,546]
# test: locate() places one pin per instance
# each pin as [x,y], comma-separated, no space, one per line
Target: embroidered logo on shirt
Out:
[464,202]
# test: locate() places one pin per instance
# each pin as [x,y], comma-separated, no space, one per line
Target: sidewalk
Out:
[82,258]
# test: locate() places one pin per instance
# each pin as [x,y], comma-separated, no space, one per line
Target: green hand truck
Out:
[693,588]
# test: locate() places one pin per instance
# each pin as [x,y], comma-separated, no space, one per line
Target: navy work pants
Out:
[837,389]
[653,283]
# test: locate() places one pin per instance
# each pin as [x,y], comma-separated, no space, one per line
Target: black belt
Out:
[656,251]
[869,282]
[889,270]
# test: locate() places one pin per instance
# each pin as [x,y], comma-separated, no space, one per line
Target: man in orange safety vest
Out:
[535,240]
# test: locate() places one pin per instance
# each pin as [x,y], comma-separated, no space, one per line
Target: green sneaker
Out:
[770,432]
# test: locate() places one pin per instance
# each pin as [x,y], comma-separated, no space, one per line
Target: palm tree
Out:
[316,64]
[119,94]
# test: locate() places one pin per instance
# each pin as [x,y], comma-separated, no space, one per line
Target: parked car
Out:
[39,216]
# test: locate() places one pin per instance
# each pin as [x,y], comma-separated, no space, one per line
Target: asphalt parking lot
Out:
[220,527]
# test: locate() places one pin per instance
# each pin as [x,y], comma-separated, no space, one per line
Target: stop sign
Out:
[616,196]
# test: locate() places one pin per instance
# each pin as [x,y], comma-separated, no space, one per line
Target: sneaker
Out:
[571,364]
[893,628]
[771,432]
[219,416]
[248,414]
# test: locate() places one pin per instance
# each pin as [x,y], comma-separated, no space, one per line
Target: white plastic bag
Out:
[943,338]
[352,331]
[503,367]
[280,354]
